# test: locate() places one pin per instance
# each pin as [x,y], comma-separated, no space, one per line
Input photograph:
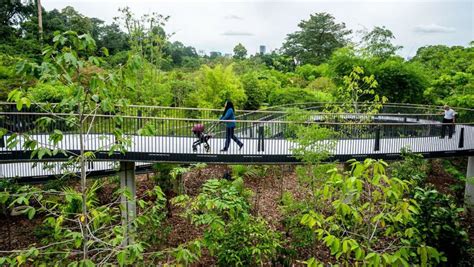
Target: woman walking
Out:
[229,117]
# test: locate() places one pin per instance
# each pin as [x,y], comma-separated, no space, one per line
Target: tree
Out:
[216,85]
[403,82]
[240,52]
[378,43]
[317,38]
[180,54]
[357,213]
[112,38]
[359,88]
[146,34]
[258,87]
[12,14]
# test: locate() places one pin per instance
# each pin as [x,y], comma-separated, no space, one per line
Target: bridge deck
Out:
[179,149]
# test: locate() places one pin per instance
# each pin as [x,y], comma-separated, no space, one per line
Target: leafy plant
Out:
[438,222]
[363,216]
[244,242]
[412,168]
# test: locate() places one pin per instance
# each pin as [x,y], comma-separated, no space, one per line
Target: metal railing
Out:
[269,136]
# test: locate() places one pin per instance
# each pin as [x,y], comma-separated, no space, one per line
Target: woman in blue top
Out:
[230,126]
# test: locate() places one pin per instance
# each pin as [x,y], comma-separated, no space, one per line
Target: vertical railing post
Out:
[2,141]
[139,119]
[469,191]
[461,138]
[377,139]
[260,144]
[129,208]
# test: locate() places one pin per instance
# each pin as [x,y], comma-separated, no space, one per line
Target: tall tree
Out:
[378,43]
[40,19]
[240,52]
[317,38]
[12,14]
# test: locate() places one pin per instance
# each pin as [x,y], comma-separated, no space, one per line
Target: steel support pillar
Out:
[128,200]
[469,192]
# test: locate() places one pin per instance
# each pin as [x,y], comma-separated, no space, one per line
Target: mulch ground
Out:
[18,232]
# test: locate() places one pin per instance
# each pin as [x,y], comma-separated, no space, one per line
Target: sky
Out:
[220,25]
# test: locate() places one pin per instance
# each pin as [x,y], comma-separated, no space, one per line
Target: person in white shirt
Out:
[448,121]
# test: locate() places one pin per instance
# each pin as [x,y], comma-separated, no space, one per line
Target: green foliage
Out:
[240,52]
[459,175]
[358,214]
[231,234]
[378,43]
[258,86]
[359,88]
[450,72]
[412,168]
[241,171]
[244,242]
[293,211]
[309,72]
[323,84]
[343,61]
[314,143]
[216,85]
[220,201]
[317,38]
[404,83]
[285,96]
[438,222]
[53,92]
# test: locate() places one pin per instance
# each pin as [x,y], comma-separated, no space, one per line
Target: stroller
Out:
[198,130]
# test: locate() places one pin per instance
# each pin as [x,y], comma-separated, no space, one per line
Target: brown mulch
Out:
[441,179]
[17,232]
[194,179]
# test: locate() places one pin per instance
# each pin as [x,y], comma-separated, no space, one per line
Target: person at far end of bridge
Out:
[229,117]
[448,121]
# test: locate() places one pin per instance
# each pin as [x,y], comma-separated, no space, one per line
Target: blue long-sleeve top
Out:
[229,115]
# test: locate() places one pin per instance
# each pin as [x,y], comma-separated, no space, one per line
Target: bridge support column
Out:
[129,207]
[469,192]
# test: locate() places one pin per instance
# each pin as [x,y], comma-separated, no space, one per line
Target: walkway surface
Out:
[263,137]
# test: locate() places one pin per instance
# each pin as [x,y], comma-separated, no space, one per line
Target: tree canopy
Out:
[317,38]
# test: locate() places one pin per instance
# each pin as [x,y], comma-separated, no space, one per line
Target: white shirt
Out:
[449,114]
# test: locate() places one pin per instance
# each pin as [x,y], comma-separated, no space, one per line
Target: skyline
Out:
[219,26]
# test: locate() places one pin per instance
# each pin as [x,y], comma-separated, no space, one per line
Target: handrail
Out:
[404,105]
[242,121]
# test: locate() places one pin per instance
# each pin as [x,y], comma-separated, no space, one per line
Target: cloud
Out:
[433,28]
[237,33]
[233,17]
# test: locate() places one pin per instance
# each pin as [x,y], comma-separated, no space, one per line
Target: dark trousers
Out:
[447,124]
[229,134]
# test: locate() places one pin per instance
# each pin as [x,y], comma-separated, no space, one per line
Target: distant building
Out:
[263,49]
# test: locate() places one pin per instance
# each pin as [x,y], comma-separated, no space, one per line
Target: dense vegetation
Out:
[367,213]
[310,66]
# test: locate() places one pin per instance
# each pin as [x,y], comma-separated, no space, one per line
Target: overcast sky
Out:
[220,25]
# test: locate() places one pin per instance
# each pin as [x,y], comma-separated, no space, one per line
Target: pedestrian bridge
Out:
[162,134]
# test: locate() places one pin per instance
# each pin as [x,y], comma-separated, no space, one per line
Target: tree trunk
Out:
[84,220]
[40,20]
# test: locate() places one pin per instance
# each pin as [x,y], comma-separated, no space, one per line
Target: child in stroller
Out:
[198,130]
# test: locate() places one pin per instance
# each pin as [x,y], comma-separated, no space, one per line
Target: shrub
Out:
[412,168]
[49,92]
[363,216]
[285,96]
[245,242]
[438,222]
